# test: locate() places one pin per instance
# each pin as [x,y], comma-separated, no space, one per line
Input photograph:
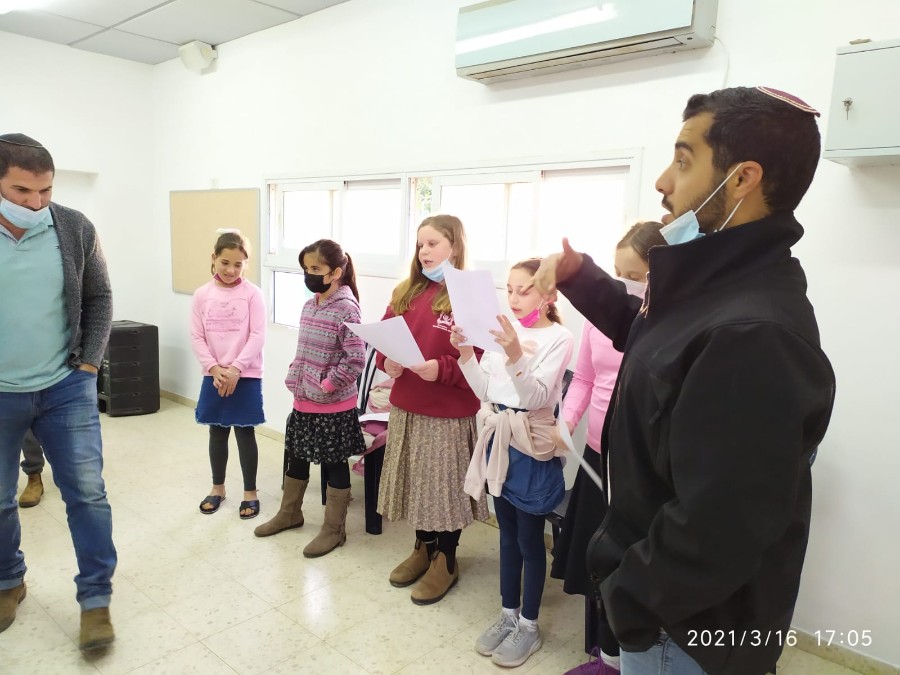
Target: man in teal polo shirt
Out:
[56,305]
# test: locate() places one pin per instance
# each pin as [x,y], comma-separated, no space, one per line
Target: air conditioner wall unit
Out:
[507,39]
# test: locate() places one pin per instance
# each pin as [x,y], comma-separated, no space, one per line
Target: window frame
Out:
[279,258]
[497,266]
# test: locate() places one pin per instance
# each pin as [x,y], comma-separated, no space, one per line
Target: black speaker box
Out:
[128,383]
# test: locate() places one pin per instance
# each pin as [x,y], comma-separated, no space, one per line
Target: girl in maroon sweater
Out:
[432,422]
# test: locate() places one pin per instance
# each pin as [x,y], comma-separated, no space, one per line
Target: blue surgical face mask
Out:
[23,217]
[436,273]
[686,227]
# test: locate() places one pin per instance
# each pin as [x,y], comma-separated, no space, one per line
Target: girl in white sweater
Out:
[517,455]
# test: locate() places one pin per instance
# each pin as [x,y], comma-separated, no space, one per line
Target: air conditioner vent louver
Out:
[507,39]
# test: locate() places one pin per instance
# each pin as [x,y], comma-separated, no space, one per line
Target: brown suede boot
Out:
[333,532]
[409,571]
[31,495]
[9,603]
[290,514]
[96,629]
[437,582]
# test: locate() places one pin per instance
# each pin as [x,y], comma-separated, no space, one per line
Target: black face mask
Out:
[316,282]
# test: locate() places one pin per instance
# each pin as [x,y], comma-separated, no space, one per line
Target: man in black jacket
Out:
[722,400]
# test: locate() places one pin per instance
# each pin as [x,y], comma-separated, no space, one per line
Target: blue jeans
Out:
[66,422]
[663,658]
[521,547]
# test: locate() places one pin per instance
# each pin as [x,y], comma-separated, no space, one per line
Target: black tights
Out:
[445,542]
[247,451]
[337,473]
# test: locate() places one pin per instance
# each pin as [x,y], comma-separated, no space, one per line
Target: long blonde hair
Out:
[452,228]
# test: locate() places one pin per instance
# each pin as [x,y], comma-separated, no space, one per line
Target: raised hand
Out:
[555,269]
[507,338]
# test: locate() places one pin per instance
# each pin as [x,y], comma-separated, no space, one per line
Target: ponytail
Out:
[348,278]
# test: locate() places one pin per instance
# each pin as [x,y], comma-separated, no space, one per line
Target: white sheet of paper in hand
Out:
[567,439]
[392,338]
[375,417]
[475,307]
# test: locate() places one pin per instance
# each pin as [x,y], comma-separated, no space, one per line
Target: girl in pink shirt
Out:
[228,330]
[592,387]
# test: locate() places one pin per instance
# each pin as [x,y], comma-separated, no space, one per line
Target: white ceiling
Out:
[150,31]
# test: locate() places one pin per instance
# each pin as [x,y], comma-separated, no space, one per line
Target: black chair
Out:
[556,518]
[557,515]
[374,459]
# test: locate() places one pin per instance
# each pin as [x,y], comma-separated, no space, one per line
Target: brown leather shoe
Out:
[31,495]
[96,629]
[409,571]
[436,583]
[9,603]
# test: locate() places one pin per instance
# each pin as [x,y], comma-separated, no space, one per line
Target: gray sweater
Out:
[88,293]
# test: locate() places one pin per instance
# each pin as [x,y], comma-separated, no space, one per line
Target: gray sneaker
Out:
[491,638]
[517,647]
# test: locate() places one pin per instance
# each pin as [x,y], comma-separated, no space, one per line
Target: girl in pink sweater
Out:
[228,330]
[591,390]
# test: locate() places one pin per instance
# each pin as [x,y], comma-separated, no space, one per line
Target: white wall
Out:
[94,114]
[370,84]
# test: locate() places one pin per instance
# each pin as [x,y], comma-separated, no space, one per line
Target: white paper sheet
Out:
[567,439]
[392,338]
[375,417]
[475,307]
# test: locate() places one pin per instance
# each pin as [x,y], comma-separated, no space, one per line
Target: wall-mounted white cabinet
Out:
[864,118]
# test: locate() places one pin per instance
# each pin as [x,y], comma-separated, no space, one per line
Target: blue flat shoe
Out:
[214,500]
[252,505]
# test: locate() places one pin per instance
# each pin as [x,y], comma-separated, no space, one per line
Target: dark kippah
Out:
[790,99]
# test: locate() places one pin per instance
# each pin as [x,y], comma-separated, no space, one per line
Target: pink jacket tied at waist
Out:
[530,432]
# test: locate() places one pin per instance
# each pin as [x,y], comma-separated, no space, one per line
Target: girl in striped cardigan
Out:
[324,425]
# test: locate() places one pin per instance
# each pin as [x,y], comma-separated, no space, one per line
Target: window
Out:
[509,213]
[588,207]
[308,216]
[301,213]
[493,209]
[289,294]
[372,213]
[365,216]
[510,217]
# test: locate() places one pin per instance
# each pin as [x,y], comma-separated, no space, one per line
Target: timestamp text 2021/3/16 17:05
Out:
[786,638]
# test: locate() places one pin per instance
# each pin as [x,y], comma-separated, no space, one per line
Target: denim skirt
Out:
[244,408]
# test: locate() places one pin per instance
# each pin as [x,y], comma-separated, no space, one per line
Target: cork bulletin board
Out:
[195,217]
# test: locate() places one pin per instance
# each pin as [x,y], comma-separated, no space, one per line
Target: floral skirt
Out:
[425,463]
[323,437]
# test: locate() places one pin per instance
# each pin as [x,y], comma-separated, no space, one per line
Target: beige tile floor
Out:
[201,594]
